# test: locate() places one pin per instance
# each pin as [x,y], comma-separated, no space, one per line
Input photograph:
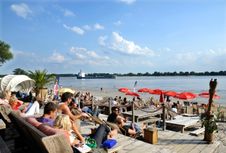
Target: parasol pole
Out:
[164,117]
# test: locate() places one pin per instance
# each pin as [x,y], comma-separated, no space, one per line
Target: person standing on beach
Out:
[56,90]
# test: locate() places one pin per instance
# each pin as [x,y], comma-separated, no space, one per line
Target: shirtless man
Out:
[66,99]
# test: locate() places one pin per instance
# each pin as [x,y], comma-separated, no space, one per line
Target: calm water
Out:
[194,84]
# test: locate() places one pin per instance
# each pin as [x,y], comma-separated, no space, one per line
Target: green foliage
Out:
[19,71]
[41,78]
[5,53]
[209,124]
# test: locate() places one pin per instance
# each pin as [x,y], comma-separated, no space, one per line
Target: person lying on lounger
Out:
[130,129]
[114,116]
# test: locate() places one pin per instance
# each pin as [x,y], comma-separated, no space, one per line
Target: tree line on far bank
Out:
[192,73]
[19,71]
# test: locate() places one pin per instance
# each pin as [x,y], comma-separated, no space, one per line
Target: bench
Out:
[37,140]
[3,146]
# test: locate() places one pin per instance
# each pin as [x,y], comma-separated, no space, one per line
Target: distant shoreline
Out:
[146,74]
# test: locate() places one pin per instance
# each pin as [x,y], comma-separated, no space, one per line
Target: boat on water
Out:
[82,75]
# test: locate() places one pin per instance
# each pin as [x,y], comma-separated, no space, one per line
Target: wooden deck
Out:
[168,142]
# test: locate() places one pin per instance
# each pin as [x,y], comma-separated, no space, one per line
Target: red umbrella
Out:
[156,91]
[186,95]
[144,90]
[130,93]
[125,90]
[207,95]
[170,93]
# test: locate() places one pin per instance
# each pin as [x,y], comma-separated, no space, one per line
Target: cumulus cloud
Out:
[57,58]
[75,29]
[85,54]
[68,13]
[86,27]
[22,10]
[97,26]
[118,23]
[213,58]
[129,47]
[128,1]
[101,40]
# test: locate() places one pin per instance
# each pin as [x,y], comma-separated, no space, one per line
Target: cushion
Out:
[46,129]
[109,143]
[33,121]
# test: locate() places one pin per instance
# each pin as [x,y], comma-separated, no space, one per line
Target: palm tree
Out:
[5,53]
[19,71]
[41,78]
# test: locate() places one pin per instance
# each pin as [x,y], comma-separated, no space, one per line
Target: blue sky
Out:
[114,35]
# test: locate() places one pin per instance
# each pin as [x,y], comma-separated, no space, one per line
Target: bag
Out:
[83,149]
[109,143]
[91,142]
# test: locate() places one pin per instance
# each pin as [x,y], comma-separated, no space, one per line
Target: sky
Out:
[114,36]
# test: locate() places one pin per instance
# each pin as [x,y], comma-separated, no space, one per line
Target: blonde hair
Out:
[12,100]
[63,122]
[6,94]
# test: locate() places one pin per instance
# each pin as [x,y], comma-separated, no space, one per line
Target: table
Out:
[143,114]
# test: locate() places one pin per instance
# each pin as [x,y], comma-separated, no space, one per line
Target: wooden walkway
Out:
[168,142]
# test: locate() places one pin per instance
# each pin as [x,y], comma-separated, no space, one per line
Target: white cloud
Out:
[101,40]
[57,58]
[129,47]
[85,54]
[21,10]
[75,29]
[97,26]
[200,59]
[118,23]
[86,27]
[128,1]
[68,13]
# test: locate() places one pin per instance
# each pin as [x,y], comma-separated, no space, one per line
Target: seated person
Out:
[114,116]
[27,109]
[63,107]
[102,133]
[114,102]
[174,107]
[63,122]
[129,130]
[50,112]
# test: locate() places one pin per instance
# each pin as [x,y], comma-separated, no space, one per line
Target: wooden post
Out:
[92,104]
[212,89]
[164,117]
[133,120]
[110,101]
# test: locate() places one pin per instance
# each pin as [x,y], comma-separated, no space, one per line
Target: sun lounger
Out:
[182,122]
